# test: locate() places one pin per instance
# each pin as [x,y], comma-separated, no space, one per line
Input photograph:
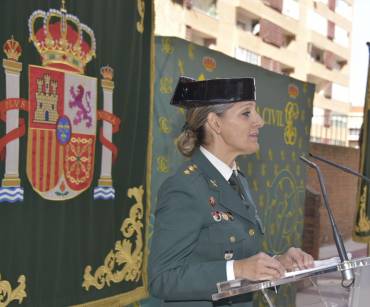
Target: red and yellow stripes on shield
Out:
[45,159]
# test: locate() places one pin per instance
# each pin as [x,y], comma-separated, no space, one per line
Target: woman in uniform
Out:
[207,227]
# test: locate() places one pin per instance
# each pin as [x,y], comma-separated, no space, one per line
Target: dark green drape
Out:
[52,243]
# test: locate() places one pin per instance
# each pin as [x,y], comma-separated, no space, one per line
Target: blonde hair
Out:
[193,133]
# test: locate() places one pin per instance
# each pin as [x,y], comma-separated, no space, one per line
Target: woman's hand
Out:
[295,258]
[258,267]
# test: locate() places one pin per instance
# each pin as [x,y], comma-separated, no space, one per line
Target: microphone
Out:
[347,274]
[343,168]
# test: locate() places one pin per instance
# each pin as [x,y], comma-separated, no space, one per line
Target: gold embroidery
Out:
[78,160]
[167,47]
[180,64]
[123,263]
[191,49]
[141,11]
[291,114]
[164,125]
[162,164]
[363,224]
[8,295]
[166,85]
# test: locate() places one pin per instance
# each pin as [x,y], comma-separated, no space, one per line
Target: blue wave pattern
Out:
[101,192]
[11,194]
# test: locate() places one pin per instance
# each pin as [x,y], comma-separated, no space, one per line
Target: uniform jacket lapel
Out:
[217,183]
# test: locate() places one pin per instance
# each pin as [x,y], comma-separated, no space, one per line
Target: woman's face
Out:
[239,126]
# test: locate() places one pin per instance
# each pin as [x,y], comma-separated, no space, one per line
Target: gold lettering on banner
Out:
[141,11]
[124,263]
[7,295]
[273,117]
[363,224]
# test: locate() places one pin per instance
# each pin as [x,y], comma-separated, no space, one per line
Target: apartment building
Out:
[306,39]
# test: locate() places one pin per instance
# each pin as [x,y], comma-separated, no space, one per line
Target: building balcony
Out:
[330,104]
[202,22]
[319,70]
[255,44]
[326,44]
[258,8]
[324,10]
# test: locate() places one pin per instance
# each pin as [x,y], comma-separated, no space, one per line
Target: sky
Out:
[360,53]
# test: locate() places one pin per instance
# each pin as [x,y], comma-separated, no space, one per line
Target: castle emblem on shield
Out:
[62,113]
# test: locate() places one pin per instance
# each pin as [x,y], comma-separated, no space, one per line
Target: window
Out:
[343,8]
[248,56]
[207,6]
[354,132]
[339,92]
[341,36]
[291,8]
[317,23]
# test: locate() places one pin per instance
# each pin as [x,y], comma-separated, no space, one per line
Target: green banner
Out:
[75,91]
[276,175]
[361,232]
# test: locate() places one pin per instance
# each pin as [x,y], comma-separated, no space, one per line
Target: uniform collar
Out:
[225,170]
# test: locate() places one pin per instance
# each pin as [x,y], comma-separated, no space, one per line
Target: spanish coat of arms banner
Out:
[75,99]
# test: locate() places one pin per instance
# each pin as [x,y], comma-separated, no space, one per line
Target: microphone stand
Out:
[347,274]
[343,168]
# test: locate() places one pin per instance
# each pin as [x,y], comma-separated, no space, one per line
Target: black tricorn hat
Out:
[190,93]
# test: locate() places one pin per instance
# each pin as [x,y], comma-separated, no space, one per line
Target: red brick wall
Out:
[341,188]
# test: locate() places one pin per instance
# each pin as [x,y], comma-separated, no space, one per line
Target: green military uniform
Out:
[191,243]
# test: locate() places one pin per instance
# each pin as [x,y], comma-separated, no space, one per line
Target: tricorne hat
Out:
[190,93]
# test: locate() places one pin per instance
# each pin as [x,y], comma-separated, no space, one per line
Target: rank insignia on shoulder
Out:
[229,255]
[190,169]
[225,216]
[212,201]
[230,215]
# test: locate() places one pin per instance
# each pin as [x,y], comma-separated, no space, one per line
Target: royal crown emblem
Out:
[12,49]
[62,40]
[62,112]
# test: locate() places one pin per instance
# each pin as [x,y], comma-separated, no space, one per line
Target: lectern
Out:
[358,294]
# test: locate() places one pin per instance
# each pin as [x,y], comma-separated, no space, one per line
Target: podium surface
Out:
[324,277]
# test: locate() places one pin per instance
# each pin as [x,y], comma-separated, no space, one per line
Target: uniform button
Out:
[251,232]
[232,239]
